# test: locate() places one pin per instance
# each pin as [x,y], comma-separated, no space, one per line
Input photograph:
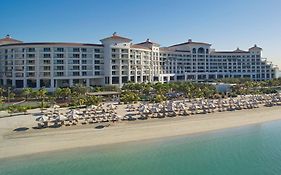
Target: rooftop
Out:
[148,42]
[255,47]
[51,43]
[9,39]
[191,42]
[117,37]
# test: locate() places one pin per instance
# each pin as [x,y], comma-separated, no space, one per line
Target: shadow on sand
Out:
[21,129]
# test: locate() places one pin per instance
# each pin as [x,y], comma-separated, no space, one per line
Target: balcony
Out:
[19,75]
[19,69]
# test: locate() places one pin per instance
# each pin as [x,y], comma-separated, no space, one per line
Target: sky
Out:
[226,24]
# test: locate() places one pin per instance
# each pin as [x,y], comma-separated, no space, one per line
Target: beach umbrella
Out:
[111,107]
[42,118]
[62,118]
[72,115]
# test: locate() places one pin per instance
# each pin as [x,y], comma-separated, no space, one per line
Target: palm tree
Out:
[98,89]
[128,96]
[1,100]
[11,95]
[63,93]
[92,100]
[66,92]
[159,98]
[41,94]
[58,93]
[79,89]
[27,92]
[2,90]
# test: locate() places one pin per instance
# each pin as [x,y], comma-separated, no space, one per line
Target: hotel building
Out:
[117,60]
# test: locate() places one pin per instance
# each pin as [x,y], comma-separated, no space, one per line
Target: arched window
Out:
[201,50]
[193,50]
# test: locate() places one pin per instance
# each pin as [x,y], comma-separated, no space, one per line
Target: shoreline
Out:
[33,142]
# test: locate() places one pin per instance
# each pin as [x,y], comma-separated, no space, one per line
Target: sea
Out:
[250,150]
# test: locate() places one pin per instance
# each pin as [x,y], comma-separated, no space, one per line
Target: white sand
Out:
[32,141]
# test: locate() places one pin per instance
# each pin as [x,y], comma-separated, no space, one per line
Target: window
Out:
[97,56]
[124,50]
[84,61]
[76,62]
[124,56]
[84,55]
[76,74]
[84,50]
[75,68]
[97,61]
[201,50]
[76,56]
[60,62]
[30,74]
[47,49]
[97,50]
[59,68]
[76,49]
[47,56]
[46,61]
[60,55]
[47,68]
[46,74]
[31,50]
[97,67]
[60,49]
[31,68]
[84,73]
[84,67]
[60,74]
[30,62]
[193,50]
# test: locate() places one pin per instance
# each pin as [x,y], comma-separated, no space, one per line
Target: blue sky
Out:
[226,24]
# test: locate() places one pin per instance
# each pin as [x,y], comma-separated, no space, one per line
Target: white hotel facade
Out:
[117,60]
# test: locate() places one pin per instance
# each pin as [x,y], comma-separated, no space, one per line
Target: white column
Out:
[52,83]
[37,83]
[24,83]
[87,82]
[120,71]
[136,74]
[13,81]
[70,82]
[5,81]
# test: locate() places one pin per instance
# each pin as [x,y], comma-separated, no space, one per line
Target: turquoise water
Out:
[248,150]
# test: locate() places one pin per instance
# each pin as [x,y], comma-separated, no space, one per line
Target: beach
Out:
[31,141]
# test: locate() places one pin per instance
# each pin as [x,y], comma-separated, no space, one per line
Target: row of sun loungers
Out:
[106,114]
